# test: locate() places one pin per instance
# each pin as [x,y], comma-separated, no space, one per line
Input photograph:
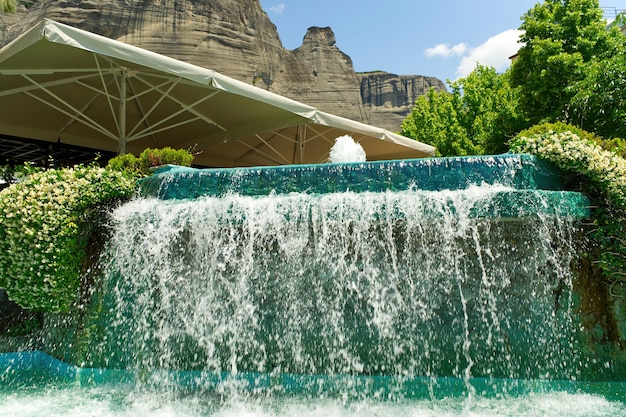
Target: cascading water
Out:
[404,284]
[319,291]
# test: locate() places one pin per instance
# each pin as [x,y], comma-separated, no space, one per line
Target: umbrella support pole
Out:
[122,114]
[300,142]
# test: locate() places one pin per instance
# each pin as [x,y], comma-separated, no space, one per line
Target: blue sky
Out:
[439,38]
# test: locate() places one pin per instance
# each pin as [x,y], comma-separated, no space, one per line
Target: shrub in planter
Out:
[151,158]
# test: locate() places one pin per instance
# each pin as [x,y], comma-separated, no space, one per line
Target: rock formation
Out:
[389,98]
[326,77]
[237,38]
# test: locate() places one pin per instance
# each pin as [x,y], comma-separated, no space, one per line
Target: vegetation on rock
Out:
[8,6]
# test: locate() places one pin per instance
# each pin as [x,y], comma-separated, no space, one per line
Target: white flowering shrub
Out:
[604,175]
[41,245]
[571,153]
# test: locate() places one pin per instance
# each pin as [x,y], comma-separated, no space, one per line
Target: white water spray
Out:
[445,302]
[406,284]
[346,149]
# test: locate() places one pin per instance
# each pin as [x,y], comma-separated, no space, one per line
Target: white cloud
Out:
[495,52]
[278,9]
[445,50]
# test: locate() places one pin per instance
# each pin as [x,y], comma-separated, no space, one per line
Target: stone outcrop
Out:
[326,76]
[389,98]
[237,38]
[234,37]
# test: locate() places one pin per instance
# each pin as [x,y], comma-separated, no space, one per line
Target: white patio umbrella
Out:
[62,84]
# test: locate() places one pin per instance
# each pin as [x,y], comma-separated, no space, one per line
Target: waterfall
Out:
[405,284]
[443,286]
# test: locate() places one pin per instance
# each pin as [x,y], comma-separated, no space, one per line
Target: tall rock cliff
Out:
[234,37]
[389,98]
[237,38]
[326,75]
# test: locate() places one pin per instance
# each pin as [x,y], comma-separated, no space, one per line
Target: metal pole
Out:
[300,142]
[122,114]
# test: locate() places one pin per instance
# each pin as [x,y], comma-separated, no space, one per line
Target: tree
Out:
[477,117]
[8,6]
[434,120]
[489,108]
[599,102]
[560,38]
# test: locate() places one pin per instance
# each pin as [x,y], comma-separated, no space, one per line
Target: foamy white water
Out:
[405,283]
[346,149]
[111,402]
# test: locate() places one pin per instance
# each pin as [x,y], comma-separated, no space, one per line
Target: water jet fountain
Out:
[430,287]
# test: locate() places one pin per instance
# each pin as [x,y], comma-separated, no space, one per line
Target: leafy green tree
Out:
[560,38]
[489,109]
[477,117]
[434,120]
[599,102]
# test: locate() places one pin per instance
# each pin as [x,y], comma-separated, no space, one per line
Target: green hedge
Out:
[44,217]
[41,219]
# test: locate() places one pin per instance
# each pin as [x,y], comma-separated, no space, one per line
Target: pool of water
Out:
[43,394]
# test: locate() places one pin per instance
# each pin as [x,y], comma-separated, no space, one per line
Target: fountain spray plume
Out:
[346,149]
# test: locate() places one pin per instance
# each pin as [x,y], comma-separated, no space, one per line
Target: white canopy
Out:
[59,83]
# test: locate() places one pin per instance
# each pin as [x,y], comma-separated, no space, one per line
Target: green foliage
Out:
[489,108]
[156,157]
[477,117]
[619,22]
[615,145]
[126,162]
[434,121]
[41,219]
[44,216]
[564,41]
[150,158]
[10,173]
[603,178]
[8,6]
[599,100]
[548,129]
